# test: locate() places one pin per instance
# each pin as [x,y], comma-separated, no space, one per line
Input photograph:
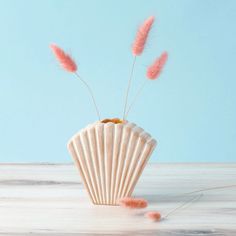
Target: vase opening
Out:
[114,120]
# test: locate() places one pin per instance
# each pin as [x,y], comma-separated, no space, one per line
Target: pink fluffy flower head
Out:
[142,35]
[133,203]
[64,59]
[153,215]
[155,69]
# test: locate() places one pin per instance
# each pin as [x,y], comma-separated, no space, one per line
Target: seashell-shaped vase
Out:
[110,158]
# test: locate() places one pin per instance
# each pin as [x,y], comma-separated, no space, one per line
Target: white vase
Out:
[110,158]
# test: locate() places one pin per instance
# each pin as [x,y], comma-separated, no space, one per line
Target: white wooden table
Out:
[49,199]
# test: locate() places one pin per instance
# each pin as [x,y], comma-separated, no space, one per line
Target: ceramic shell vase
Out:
[110,158]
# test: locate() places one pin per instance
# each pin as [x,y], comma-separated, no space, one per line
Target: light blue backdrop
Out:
[190,110]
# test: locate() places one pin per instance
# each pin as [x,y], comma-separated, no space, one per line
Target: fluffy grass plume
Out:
[155,69]
[133,203]
[142,35]
[64,59]
[153,215]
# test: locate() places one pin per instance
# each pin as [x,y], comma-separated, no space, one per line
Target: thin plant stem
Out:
[208,189]
[195,198]
[135,97]
[128,87]
[91,94]
[182,205]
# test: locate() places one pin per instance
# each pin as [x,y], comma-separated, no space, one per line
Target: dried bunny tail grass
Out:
[155,69]
[153,215]
[133,203]
[138,47]
[69,65]
[64,59]
[142,35]
[153,72]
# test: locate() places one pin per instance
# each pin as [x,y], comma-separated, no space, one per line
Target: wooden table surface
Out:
[49,199]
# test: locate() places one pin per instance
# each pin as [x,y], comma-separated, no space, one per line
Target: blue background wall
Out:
[190,109]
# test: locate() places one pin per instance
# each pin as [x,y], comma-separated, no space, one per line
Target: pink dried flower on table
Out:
[133,203]
[64,59]
[142,35]
[155,69]
[153,215]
